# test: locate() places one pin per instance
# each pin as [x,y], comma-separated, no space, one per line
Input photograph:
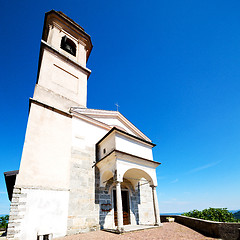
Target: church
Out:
[81,169]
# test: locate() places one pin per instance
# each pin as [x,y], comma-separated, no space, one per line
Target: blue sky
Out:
[173,67]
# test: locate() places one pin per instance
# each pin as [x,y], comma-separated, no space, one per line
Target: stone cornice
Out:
[115,153]
[114,129]
[56,17]
[31,100]
[90,120]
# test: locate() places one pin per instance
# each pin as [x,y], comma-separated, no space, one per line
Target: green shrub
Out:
[237,215]
[212,214]
[4,221]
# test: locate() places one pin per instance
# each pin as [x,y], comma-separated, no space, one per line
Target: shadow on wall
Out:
[105,199]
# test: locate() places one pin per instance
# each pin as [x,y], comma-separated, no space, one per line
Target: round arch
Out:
[134,175]
[124,184]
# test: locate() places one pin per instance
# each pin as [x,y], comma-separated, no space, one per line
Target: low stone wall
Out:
[225,231]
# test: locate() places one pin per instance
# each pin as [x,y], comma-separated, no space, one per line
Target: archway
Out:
[134,175]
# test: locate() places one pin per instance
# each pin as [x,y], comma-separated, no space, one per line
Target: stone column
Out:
[155,206]
[50,35]
[119,206]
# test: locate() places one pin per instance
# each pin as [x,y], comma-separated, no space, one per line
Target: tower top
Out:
[64,23]
[62,72]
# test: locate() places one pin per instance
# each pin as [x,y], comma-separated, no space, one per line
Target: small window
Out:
[44,237]
[68,45]
[104,150]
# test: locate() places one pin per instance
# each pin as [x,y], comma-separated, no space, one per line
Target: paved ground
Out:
[169,231]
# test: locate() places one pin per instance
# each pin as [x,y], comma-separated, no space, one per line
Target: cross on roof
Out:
[117,106]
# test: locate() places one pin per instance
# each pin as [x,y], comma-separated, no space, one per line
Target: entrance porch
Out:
[128,181]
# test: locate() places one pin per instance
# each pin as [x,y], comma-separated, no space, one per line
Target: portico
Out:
[122,164]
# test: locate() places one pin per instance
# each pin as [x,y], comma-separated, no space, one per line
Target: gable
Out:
[109,119]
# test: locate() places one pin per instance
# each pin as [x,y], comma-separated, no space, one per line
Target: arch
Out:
[124,184]
[105,176]
[134,175]
[68,45]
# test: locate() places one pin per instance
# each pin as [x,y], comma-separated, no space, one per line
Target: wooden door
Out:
[125,204]
[125,207]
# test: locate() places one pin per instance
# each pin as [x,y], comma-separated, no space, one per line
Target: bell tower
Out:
[62,72]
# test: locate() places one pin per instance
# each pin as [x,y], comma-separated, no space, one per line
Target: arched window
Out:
[68,45]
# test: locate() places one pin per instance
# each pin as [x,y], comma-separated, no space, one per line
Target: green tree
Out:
[212,214]
[237,215]
[4,221]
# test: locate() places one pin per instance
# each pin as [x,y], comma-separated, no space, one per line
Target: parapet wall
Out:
[225,231]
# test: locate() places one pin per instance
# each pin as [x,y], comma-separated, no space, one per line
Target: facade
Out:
[81,169]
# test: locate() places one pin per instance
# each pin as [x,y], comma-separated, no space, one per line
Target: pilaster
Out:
[155,206]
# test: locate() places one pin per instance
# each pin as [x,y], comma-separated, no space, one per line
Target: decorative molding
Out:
[31,100]
[116,152]
[89,119]
[111,114]
[42,188]
[114,129]
[65,71]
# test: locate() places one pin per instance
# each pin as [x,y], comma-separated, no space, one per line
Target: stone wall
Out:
[18,208]
[146,211]
[225,231]
[83,213]
[134,206]
[103,196]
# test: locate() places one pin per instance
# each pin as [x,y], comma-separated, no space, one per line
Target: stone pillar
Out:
[119,207]
[155,206]
[50,34]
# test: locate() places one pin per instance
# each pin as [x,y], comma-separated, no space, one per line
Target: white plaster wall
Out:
[46,151]
[125,144]
[46,212]
[85,133]
[62,78]
[50,98]
[108,144]
[115,122]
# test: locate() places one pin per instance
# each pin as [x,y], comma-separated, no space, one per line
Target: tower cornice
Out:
[52,17]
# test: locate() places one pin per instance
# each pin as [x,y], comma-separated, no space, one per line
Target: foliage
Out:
[237,215]
[212,214]
[4,221]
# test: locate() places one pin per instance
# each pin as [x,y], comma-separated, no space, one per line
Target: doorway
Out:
[125,207]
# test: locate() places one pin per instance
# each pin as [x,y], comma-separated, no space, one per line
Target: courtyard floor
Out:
[169,231]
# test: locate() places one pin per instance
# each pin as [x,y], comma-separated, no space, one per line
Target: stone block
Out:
[15,200]
[16,190]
